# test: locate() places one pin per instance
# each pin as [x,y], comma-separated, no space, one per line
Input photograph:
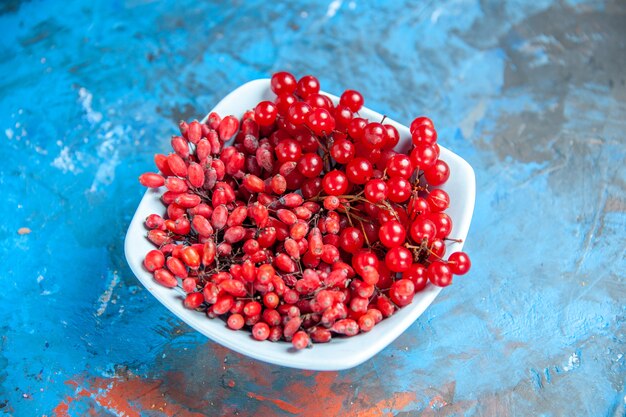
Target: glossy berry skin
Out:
[301,340]
[335,183]
[438,173]
[311,187]
[421,120]
[374,135]
[321,122]
[235,321]
[417,274]
[343,151]
[437,249]
[283,83]
[356,129]
[375,190]
[359,170]
[424,156]
[459,263]
[298,113]
[417,207]
[283,102]
[288,150]
[310,165]
[154,260]
[399,189]
[422,229]
[151,180]
[399,166]
[351,239]
[443,224]
[320,101]
[398,259]
[439,274]
[392,137]
[424,135]
[265,113]
[352,99]
[307,85]
[402,292]
[438,200]
[363,260]
[392,234]
[261,331]
[343,117]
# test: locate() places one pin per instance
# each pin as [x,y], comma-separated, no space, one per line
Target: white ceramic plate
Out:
[340,353]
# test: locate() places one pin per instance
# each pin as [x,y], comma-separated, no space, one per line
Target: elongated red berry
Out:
[165,278]
[154,260]
[227,128]
[151,180]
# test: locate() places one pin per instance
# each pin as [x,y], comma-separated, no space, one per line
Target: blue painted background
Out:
[532,94]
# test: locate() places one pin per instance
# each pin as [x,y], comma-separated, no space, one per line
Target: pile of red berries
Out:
[308,224]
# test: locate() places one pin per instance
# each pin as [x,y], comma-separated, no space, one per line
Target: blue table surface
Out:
[532,94]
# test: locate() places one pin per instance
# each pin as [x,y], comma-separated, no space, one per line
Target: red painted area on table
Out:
[329,401]
[283,405]
[387,406]
[130,396]
[123,396]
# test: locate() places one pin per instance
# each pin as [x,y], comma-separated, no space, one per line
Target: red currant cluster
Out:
[308,223]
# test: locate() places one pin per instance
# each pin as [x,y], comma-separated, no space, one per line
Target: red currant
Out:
[351,239]
[283,83]
[374,135]
[424,156]
[392,233]
[356,129]
[422,229]
[459,263]
[343,117]
[298,112]
[311,187]
[375,190]
[310,165]
[438,173]
[359,170]
[335,183]
[321,122]
[439,274]
[265,113]
[443,224]
[399,189]
[392,136]
[402,292]
[421,120]
[342,151]
[437,249]
[399,166]
[399,259]
[352,99]
[424,135]
[438,200]
[283,102]
[417,274]
[288,150]
[319,101]
[307,85]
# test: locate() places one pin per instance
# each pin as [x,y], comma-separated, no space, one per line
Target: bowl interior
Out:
[341,353]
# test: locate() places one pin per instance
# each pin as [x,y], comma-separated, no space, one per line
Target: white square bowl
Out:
[340,353]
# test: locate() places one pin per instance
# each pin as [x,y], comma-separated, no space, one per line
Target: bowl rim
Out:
[336,355]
